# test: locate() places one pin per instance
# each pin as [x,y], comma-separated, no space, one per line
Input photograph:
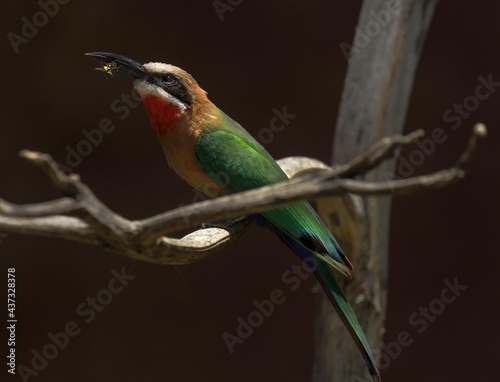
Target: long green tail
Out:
[343,308]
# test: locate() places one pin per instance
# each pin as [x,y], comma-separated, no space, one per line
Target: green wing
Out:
[239,163]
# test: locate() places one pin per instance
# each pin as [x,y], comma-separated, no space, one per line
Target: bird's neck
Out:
[162,114]
[165,116]
[178,134]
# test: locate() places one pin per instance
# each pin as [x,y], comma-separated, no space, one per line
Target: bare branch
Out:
[54,207]
[386,148]
[200,244]
[64,183]
[81,216]
[57,226]
[479,131]
[305,186]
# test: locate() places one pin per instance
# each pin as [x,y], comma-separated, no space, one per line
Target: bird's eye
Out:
[168,79]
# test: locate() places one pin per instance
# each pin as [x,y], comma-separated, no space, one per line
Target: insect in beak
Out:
[109,68]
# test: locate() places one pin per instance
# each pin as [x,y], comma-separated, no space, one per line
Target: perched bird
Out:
[215,155]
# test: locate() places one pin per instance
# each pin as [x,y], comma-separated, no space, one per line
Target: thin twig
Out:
[385,149]
[61,206]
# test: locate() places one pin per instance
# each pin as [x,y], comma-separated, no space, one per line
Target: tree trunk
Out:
[382,65]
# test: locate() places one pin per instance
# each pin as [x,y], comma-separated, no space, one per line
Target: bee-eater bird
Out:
[215,155]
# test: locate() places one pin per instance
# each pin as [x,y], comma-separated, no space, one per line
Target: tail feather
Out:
[344,310]
[304,244]
[334,293]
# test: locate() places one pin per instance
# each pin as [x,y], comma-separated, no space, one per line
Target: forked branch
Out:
[79,215]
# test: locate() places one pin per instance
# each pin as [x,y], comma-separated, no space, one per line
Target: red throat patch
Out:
[161,113]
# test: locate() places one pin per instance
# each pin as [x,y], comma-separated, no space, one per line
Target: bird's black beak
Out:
[130,66]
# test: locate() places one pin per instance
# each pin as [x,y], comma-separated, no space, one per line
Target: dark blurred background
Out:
[168,322]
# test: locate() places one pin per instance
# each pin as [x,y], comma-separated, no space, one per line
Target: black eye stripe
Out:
[174,86]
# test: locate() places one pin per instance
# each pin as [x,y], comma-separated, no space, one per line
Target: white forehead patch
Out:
[159,67]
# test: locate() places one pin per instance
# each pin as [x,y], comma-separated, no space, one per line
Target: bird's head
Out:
[169,93]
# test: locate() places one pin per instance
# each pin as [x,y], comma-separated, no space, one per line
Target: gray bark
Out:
[374,104]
